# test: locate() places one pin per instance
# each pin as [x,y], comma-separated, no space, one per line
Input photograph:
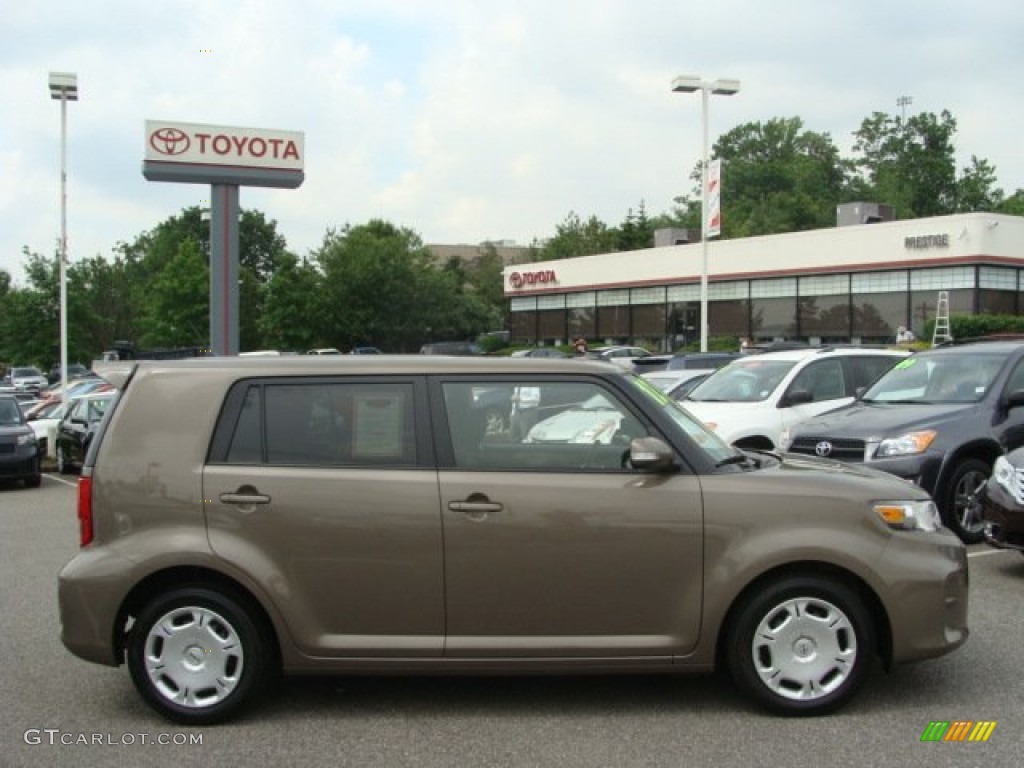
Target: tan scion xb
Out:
[363,514]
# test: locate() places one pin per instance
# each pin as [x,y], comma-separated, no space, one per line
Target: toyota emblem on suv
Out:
[823,449]
[169,141]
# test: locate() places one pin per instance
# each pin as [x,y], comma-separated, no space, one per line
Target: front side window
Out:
[551,425]
[823,379]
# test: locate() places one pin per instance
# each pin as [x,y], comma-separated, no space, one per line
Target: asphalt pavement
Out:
[59,710]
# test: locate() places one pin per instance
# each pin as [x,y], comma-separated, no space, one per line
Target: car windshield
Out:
[939,378]
[20,373]
[743,381]
[705,439]
[10,413]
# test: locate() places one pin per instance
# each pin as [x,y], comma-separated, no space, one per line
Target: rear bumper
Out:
[89,595]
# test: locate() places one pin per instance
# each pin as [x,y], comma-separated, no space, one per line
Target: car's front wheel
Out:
[961,504]
[800,646]
[197,655]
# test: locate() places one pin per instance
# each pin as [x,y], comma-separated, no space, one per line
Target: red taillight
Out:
[84,511]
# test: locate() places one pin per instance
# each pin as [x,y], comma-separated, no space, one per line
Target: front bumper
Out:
[21,464]
[1003,517]
[928,596]
[922,470]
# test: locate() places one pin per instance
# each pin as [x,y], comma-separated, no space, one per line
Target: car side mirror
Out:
[797,397]
[1015,398]
[650,454]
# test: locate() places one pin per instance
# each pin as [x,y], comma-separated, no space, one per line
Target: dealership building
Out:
[855,283]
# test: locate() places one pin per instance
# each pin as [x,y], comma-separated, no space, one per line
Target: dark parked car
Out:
[1002,503]
[19,448]
[708,361]
[75,371]
[77,428]
[940,418]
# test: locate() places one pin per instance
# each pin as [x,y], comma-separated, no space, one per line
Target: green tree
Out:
[636,231]
[294,313]
[575,237]
[29,316]
[484,279]
[1013,205]
[776,177]
[911,165]
[177,312]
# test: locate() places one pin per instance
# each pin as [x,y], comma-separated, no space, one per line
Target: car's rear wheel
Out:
[62,463]
[801,646]
[197,655]
[961,503]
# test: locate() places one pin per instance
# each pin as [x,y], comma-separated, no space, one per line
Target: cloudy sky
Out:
[467,120]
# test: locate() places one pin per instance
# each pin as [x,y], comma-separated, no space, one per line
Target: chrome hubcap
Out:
[804,648]
[193,657]
[967,502]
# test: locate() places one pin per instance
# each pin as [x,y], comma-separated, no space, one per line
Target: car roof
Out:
[796,355]
[118,372]
[993,345]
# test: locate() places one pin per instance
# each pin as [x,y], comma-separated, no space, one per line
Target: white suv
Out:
[751,401]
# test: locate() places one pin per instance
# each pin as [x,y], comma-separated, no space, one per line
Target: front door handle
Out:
[475,507]
[244,499]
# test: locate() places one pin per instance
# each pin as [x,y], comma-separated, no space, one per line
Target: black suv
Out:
[939,418]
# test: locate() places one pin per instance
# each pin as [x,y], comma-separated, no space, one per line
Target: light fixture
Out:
[63,88]
[720,87]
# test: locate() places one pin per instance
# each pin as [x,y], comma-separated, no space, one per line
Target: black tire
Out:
[35,480]
[960,507]
[207,660]
[62,464]
[800,646]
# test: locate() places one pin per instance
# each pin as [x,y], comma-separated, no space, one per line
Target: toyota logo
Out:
[516,279]
[824,448]
[169,141]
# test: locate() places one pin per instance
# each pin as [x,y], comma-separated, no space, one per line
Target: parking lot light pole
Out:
[692,84]
[64,88]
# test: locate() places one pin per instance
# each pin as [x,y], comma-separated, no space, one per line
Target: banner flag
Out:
[714,197]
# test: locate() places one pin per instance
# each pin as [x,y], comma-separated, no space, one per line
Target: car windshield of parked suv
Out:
[940,378]
[743,381]
[21,373]
[10,413]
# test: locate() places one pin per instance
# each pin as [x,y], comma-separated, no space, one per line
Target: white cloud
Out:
[462,120]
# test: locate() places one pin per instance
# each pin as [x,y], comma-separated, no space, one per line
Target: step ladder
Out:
[941,332]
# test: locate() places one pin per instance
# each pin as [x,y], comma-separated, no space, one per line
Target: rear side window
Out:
[319,424]
[867,370]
